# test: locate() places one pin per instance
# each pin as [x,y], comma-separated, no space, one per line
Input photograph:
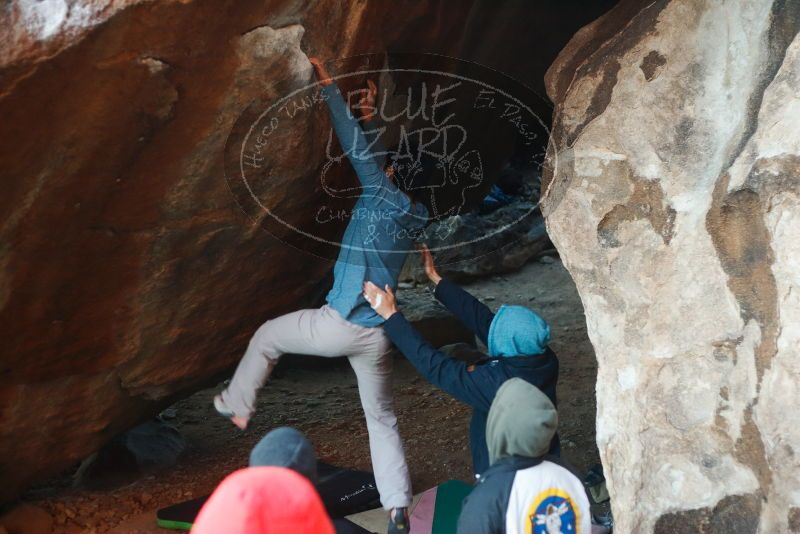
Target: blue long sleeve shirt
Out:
[382,226]
[475,385]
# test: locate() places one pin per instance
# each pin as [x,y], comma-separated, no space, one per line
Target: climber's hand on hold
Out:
[322,73]
[381,300]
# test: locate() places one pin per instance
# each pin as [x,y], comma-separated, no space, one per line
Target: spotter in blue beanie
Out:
[517,331]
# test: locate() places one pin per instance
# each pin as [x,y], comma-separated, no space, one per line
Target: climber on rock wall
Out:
[346,325]
[516,336]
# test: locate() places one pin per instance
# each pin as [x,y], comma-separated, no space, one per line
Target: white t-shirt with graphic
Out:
[547,499]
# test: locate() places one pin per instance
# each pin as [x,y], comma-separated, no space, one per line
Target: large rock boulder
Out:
[520,235]
[673,197]
[128,274]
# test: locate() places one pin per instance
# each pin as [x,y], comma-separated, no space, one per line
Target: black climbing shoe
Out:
[398,521]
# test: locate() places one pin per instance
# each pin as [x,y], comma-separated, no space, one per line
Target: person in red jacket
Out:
[264,500]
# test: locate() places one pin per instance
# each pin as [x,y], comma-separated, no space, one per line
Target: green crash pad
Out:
[434,511]
[449,498]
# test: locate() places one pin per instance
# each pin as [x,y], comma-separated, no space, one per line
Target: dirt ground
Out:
[323,402]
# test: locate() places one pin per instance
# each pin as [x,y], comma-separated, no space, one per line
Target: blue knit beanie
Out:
[517,331]
[286,447]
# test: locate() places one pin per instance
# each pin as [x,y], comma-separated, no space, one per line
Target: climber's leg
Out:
[302,332]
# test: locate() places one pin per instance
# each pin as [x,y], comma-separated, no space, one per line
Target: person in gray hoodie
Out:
[524,490]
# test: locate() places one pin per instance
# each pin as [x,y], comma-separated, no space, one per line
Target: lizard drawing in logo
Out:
[466,171]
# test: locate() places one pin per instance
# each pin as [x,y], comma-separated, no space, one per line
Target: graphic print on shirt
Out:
[553,512]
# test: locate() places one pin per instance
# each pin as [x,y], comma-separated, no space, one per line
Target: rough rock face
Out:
[510,250]
[128,275]
[674,200]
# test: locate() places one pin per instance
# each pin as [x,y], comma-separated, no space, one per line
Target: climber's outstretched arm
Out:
[348,131]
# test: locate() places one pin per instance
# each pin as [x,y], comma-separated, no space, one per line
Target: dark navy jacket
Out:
[475,385]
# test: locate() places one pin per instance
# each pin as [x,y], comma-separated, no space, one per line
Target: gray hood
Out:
[522,421]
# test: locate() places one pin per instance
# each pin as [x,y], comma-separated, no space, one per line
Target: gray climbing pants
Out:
[323,332]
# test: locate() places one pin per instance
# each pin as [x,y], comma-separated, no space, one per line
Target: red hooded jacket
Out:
[263,500]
